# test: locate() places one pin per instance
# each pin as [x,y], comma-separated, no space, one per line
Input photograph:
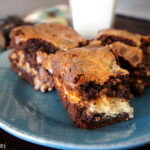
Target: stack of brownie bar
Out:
[133,51]
[34,47]
[93,88]
[93,80]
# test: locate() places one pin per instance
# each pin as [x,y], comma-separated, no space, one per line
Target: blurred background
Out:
[29,12]
[133,8]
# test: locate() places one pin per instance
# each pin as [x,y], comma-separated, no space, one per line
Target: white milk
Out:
[90,16]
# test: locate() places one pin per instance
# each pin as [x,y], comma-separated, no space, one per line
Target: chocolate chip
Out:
[135,58]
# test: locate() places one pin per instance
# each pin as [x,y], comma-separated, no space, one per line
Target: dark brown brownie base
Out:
[105,39]
[24,75]
[136,88]
[90,90]
[33,45]
[82,120]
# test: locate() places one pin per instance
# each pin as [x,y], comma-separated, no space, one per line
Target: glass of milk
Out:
[90,16]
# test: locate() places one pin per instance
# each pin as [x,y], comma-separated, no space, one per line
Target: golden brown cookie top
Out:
[133,55]
[90,63]
[121,35]
[62,37]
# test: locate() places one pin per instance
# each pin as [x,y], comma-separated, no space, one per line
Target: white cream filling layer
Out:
[111,107]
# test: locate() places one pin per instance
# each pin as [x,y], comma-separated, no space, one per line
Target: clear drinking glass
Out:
[90,16]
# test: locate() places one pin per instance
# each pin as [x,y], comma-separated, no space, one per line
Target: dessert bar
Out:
[33,48]
[133,51]
[92,86]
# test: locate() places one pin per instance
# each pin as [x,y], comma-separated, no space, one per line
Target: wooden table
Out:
[131,24]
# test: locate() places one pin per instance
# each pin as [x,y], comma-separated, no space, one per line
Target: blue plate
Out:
[41,119]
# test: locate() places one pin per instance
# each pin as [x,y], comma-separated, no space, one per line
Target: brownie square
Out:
[34,47]
[93,88]
[133,52]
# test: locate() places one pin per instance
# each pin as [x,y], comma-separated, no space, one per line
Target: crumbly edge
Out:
[35,75]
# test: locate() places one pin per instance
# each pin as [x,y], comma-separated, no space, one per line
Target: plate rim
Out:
[21,134]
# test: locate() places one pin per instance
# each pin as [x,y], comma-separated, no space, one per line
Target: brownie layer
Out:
[32,45]
[114,87]
[88,120]
[105,39]
[36,75]
[137,78]
[109,36]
